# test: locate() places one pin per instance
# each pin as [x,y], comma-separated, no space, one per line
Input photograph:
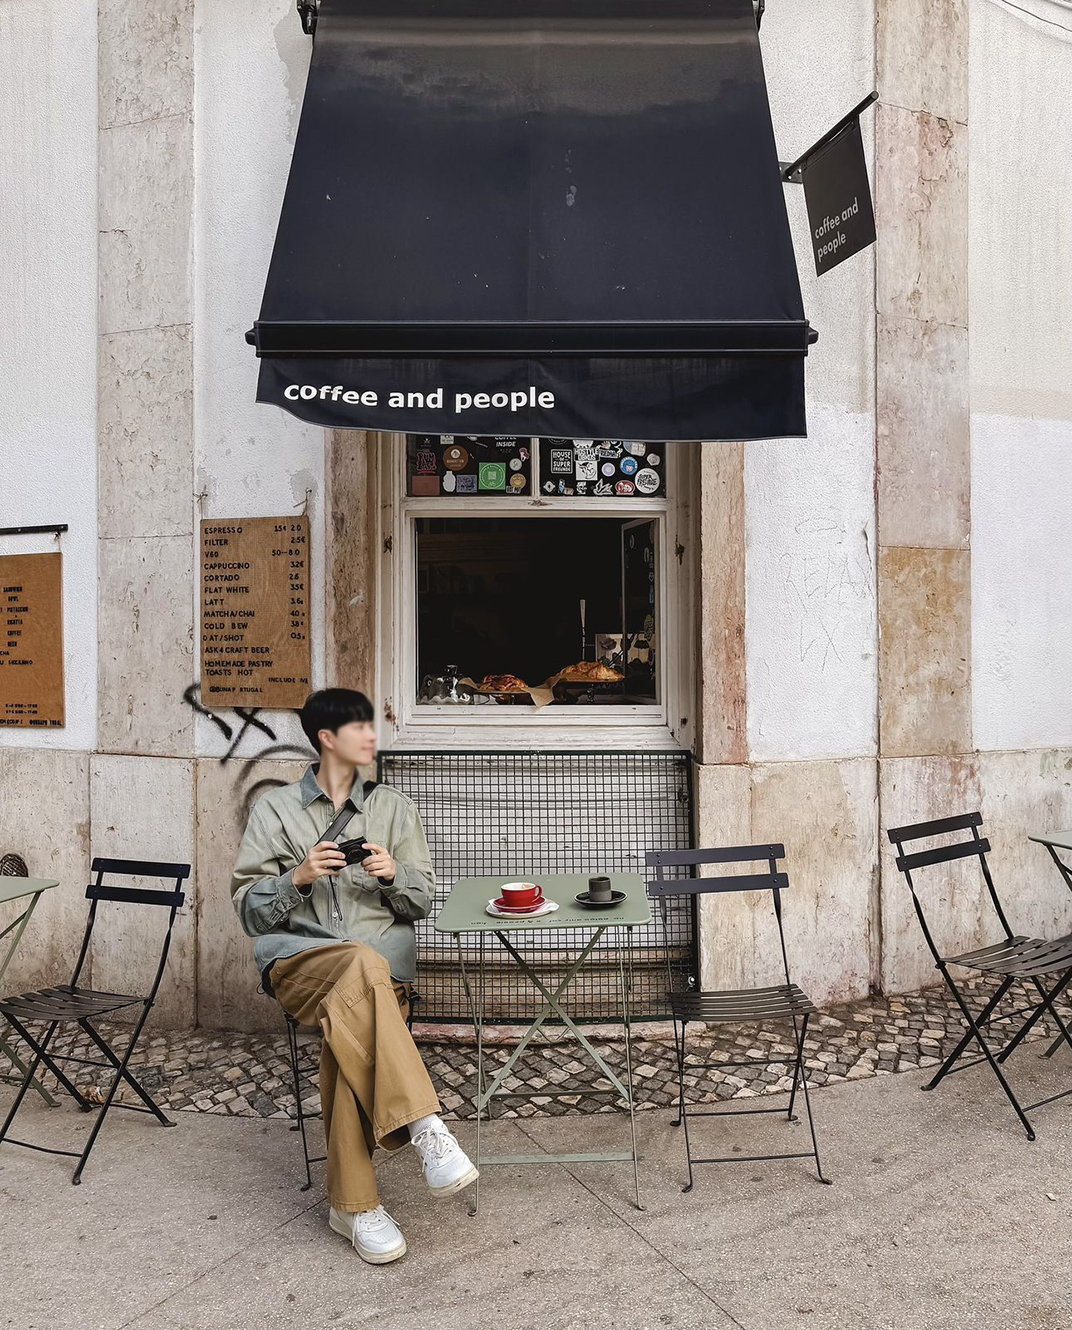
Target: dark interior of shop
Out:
[503,595]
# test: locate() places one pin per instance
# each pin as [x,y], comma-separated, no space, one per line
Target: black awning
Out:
[547,217]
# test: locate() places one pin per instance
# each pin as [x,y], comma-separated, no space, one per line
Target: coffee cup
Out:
[599,889]
[520,894]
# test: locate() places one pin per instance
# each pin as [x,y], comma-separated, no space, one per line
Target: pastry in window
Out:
[590,671]
[503,683]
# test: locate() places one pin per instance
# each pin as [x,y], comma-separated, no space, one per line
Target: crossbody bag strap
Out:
[342,819]
[338,822]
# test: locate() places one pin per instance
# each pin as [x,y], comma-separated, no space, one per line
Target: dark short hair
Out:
[330,709]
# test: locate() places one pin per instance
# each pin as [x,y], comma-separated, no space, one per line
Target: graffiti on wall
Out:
[247,788]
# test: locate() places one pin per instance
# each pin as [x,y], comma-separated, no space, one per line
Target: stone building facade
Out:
[881,614]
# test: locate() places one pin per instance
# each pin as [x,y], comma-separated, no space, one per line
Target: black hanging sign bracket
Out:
[793,172]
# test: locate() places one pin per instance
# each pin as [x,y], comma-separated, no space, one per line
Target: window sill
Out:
[585,727]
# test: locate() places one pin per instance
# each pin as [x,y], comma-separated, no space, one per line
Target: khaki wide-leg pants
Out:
[372,1079]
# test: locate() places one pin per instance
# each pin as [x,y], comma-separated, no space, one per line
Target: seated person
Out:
[335,945]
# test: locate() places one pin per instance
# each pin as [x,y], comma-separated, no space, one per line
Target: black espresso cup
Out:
[599,889]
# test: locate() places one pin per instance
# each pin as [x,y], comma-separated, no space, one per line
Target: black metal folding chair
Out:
[782,1002]
[1011,959]
[295,1071]
[69,1003]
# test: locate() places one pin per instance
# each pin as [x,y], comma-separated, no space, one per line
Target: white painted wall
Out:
[1021,582]
[1020,341]
[251,59]
[48,320]
[811,625]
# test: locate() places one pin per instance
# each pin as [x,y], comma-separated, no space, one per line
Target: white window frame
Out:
[405,723]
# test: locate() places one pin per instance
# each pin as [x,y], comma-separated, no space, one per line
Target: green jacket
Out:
[287,822]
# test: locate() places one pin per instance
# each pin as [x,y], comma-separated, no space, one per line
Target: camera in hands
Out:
[355,850]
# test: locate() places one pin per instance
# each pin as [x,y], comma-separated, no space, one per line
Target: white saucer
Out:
[545,908]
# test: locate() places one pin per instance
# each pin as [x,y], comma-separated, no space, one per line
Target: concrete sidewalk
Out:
[942,1217]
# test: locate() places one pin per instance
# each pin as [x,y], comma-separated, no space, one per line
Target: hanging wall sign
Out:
[838,198]
[255,612]
[31,640]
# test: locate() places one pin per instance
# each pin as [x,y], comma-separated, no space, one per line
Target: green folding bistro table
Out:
[29,890]
[465,912]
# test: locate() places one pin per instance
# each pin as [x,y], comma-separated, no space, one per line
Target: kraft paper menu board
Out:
[31,640]
[255,648]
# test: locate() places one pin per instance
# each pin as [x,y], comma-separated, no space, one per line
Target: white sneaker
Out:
[447,1168]
[375,1235]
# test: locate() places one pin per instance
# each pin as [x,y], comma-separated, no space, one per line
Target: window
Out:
[560,605]
[539,584]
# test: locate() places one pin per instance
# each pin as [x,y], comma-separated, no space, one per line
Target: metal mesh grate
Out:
[554,812]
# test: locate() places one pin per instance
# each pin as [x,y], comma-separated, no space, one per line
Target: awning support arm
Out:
[792,171]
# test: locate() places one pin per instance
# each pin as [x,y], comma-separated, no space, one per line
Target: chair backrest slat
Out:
[140,868]
[727,854]
[698,886]
[936,827]
[133,895]
[943,854]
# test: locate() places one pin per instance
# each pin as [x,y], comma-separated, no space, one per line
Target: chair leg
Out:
[798,1068]
[121,1072]
[41,1055]
[984,1016]
[976,1033]
[683,1116]
[292,1039]
[127,1075]
[807,1099]
[39,1051]
[680,1056]
[7,1050]
[1046,1004]
[1062,1038]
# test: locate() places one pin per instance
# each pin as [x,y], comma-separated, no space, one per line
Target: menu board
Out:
[255,612]
[31,640]
[602,468]
[468,464]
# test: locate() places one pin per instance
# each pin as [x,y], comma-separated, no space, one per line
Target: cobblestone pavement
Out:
[210,1071]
